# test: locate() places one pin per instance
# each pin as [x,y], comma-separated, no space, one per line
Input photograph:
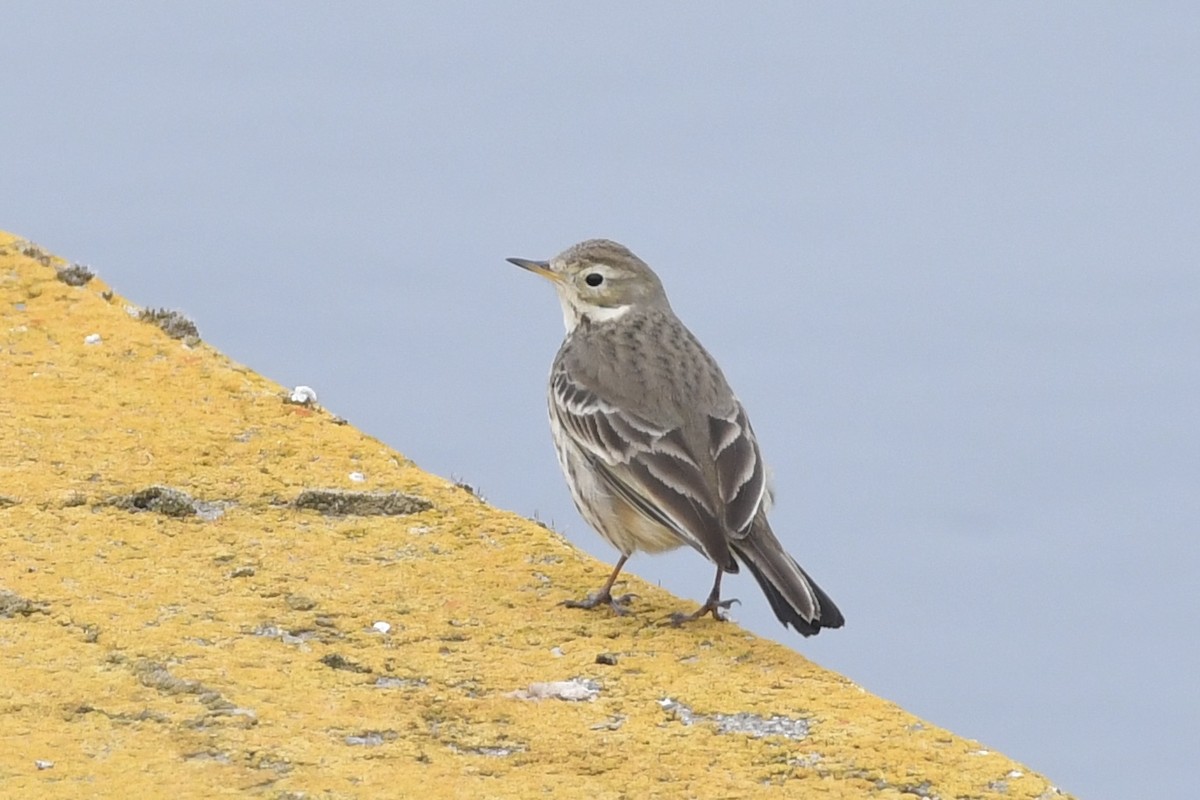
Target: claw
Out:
[619,604]
[712,606]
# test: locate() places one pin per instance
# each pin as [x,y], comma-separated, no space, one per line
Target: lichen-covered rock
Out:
[205,635]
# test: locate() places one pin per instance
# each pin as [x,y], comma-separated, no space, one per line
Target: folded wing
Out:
[648,465]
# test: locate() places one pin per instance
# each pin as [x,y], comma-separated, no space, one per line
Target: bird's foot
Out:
[713,606]
[618,604]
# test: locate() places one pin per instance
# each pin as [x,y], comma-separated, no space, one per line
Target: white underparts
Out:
[573,313]
[606,314]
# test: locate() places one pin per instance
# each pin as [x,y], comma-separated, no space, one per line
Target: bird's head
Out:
[598,280]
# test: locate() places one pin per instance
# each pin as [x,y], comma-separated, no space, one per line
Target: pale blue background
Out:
[948,254]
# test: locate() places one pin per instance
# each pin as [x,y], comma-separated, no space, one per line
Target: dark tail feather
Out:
[793,596]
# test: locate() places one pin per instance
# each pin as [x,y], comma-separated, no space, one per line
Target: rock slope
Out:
[208,590]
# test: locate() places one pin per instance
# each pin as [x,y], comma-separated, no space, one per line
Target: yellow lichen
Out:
[174,624]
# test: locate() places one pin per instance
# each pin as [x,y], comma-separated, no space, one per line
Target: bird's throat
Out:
[597,315]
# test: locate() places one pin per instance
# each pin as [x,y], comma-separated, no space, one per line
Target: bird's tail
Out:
[794,597]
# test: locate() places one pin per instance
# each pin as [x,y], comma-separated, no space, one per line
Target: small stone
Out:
[303,396]
[299,602]
[574,690]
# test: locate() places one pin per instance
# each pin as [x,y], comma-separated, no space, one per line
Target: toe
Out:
[620,604]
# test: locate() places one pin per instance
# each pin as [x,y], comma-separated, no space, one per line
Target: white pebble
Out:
[303,395]
[92,338]
[574,690]
[357,477]
[382,627]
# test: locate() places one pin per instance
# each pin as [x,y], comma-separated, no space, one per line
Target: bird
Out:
[656,449]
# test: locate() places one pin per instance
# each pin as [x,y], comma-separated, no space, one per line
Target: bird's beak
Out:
[537,267]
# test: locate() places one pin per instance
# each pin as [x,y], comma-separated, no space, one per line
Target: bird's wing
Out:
[646,464]
[741,474]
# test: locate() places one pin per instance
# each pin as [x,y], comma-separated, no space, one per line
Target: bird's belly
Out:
[644,534]
[619,523]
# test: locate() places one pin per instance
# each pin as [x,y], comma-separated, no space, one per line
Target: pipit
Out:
[656,449]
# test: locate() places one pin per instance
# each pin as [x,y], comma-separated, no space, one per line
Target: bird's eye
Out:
[594,279]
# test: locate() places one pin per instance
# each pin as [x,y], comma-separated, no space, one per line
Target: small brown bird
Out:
[656,449]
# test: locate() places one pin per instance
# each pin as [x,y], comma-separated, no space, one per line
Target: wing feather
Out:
[647,465]
[741,475]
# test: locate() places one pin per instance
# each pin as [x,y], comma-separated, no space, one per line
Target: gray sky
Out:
[948,254]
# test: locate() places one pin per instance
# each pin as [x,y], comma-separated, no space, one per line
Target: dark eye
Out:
[594,279]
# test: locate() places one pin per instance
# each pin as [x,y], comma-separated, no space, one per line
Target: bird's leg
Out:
[619,604]
[713,605]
